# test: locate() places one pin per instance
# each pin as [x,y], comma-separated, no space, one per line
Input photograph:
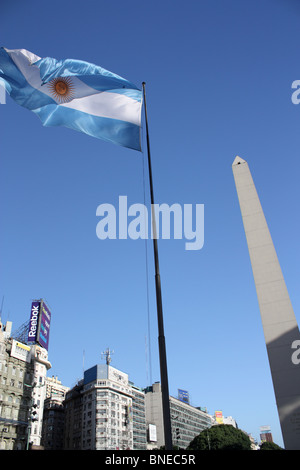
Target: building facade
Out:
[138,418]
[23,371]
[265,434]
[230,420]
[107,411]
[54,414]
[55,389]
[53,424]
[186,420]
[38,393]
[73,406]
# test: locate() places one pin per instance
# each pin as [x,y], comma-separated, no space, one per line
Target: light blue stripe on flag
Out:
[74,94]
[123,133]
[51,68]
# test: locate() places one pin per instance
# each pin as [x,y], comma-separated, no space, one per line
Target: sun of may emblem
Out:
[62,89]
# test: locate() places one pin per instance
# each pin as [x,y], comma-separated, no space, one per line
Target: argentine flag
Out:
[74,94]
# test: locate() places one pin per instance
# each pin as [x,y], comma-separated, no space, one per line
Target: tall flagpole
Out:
[161,336]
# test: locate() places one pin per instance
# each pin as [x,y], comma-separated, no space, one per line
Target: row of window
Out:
[14,370]
[11,382]
[14,413]
[11,398]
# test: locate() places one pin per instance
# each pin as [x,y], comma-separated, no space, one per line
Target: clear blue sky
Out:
[218,77]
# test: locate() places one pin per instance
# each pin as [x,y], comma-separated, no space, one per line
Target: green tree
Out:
[221,437]
[270,446]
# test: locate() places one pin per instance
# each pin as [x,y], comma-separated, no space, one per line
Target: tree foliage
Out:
[221,437]
[270,446]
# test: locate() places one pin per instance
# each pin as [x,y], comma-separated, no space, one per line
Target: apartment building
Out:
[23,370]
[107,411]
[54,414]
[186,421]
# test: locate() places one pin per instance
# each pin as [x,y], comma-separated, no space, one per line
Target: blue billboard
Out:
[183,395]
[39,324]
[44,330]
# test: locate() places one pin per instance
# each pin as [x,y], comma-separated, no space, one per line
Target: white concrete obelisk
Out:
[278,319]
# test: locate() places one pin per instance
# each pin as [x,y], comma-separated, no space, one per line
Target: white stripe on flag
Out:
[109,105]
[87,99]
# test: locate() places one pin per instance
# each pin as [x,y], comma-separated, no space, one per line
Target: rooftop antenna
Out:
[107,356]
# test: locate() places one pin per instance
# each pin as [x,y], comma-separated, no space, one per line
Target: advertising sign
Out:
[152,433]
[129,413]
[44,326]
[39,324]
[33,322]
[183,395]
[219,417]
[117,376]
[20,351]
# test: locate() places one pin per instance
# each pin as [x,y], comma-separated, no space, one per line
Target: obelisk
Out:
[280,327]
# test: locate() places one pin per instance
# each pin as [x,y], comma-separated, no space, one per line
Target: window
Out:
[102,420]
